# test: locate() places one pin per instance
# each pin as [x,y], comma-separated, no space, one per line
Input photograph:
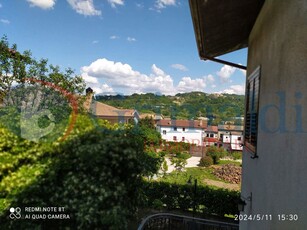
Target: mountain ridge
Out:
[192,105]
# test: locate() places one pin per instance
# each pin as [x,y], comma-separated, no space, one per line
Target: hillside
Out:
[221,107]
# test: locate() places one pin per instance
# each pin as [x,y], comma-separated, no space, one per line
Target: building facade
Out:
[231,137]
[211,136]
[182,131]
[274,174]
[109,113]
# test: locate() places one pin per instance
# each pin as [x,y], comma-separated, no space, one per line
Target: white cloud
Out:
[96,85]
[84,7]
[225,73]
[210,79]
[235,89]
[187,84]
[123,77]
[5,21]
[139,5]
[44,4]
[116,2]
[102,89]
[130,39]
[89,79]
[160,4]
[114,37]
[107,76]
[157,71]
[95,42]
[179,67]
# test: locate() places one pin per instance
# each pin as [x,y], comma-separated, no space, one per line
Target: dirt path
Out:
[221,184]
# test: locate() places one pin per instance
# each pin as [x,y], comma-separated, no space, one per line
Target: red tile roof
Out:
[101,109]
[213,129]
[183,123]
[211,139]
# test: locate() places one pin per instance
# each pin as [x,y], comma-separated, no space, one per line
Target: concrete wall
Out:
[278,178]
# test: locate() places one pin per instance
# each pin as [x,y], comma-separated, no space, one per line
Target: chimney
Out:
[89,91]
[89,96]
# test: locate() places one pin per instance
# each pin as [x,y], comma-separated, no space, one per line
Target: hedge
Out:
[208,200]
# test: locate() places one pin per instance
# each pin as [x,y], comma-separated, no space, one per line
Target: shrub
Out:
[183,155]
[157,204]
[216,153]
[176,147]
[206,161]
[164,167]
[175,196]
[237,155]
[179,163]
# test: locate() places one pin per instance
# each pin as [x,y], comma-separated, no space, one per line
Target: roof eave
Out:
[222,26]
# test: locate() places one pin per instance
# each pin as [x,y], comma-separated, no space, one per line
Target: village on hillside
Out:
[199,133]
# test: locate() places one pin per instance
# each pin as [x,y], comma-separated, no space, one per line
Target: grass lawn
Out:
[196,173]
[225,162]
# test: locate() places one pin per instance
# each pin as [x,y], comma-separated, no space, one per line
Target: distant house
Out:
[231,136]
[189,131]
[211,136]
[110,113]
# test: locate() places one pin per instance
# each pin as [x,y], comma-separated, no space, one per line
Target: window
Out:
[182,139]
[239,138]
[174,138]
[211,135]
[207,135]
[164,132]
[175,128]
[183,129]
[251,113]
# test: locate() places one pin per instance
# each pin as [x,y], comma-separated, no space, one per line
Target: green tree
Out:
[13,66]
[183,114]
[216,153]
[164,167]
[34,95]
[16,68]
[149,133]
[179,163]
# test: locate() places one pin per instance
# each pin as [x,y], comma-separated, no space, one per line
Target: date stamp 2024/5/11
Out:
[266,217]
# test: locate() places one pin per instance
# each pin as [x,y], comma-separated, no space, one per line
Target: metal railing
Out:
[167,221]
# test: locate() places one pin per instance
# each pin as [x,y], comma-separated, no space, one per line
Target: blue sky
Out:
[120,46]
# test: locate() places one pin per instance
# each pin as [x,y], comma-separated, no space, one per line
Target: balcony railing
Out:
[167,221]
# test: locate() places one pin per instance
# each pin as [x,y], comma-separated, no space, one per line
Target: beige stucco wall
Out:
[278,178]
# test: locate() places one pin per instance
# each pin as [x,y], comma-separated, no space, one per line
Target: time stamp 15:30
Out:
[267,217]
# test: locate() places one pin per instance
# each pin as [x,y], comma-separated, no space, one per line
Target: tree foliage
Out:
[17,68]
[216,153]
[182,106]
[35,97]
[95,174]
[151,139]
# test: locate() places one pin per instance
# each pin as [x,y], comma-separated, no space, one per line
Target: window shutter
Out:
[252,110]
